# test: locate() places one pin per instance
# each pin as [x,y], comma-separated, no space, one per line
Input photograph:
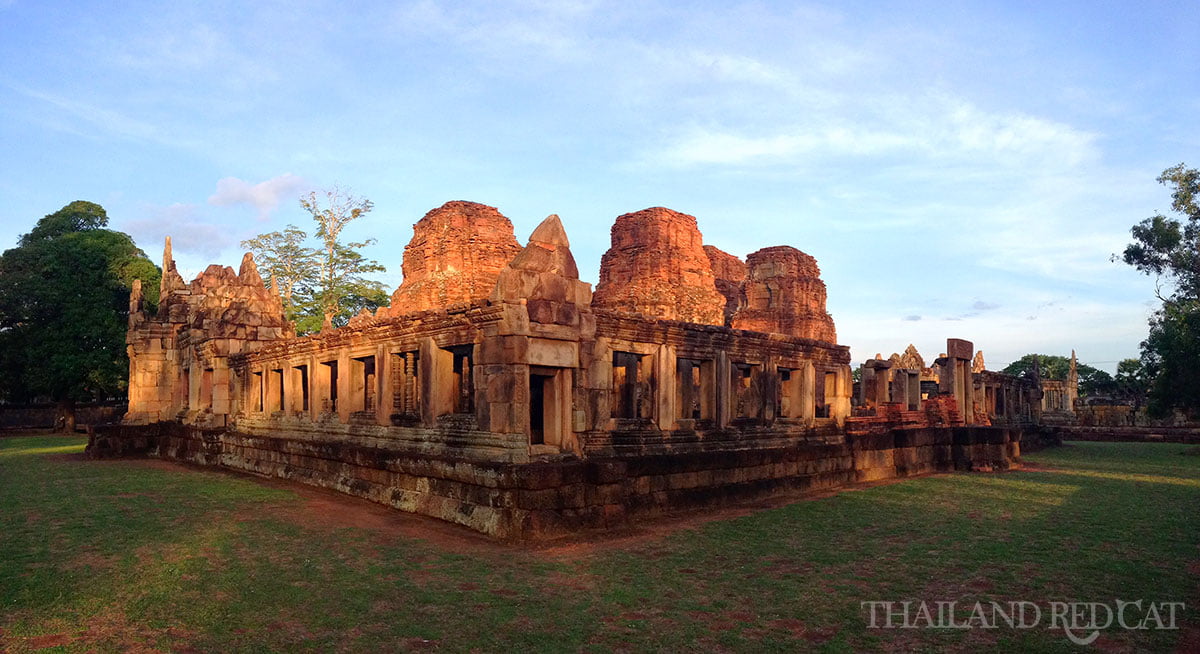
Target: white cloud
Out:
[264,196]
[190,234]
[939,129]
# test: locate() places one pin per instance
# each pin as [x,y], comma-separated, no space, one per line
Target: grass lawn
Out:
[147,556]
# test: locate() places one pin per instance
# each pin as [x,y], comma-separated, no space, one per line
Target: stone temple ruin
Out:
[500,392]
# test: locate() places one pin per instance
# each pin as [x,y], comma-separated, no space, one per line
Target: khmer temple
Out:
[500,392]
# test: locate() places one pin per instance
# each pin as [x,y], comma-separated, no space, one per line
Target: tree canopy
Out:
[327,284]
[64,301]
[1092,381]
[1168,247]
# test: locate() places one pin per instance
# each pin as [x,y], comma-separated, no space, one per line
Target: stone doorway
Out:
[547,409]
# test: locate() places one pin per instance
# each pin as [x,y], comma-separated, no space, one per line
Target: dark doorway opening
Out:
[537,408]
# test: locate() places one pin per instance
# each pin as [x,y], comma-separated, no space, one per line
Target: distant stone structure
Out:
[499,392]
[1059,396]
[980,396]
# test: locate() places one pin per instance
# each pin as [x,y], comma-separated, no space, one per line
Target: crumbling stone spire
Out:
[135,297]
[248,273]
[977,364]
[170,281]
[544,276]
[548,250]
[135,304]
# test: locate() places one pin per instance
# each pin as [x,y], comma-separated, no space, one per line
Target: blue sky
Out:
[957,169]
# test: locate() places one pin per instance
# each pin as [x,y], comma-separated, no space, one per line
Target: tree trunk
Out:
[64,421]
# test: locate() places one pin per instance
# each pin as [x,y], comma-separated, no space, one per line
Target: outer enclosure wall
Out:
[42,416]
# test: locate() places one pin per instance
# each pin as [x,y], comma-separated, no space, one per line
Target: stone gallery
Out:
[500,392]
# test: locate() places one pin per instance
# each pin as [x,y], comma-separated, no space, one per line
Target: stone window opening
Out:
[300,374]
[789,392]
[694,389]
[464,389]
[406,385]
[363,383]
[206,389]
[747,398]
[630,387]
[329,386]
[257,390]
[277,395]
[824,396]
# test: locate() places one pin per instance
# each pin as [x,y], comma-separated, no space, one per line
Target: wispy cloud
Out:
[264,196]
[936,128]
[175,46]
[97,120]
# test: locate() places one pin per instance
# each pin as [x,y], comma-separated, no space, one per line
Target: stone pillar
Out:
[314,387]
[431,398]
[194,375]
[771,408]
[384,389]
[957,377]
[664,372]
[876,388]
[220,387]
[724,408]
[344,382]
[839,408]
[808,393]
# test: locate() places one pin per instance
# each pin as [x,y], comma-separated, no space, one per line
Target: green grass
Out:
[120,555]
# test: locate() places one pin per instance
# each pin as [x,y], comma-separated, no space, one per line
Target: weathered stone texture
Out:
[785,295]
[911,359]
[657,267]
[544,276]
[455,256]
[730,274]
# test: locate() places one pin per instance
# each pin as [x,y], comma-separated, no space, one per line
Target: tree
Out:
[322,286]
[341,289]
[1133,382]
[64,301]
[1168,247]
[291,265]
[1092,381]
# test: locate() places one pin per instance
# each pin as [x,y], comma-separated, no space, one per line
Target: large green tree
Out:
[1092,381]
[324,285]
[64,300]
[1167,247]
